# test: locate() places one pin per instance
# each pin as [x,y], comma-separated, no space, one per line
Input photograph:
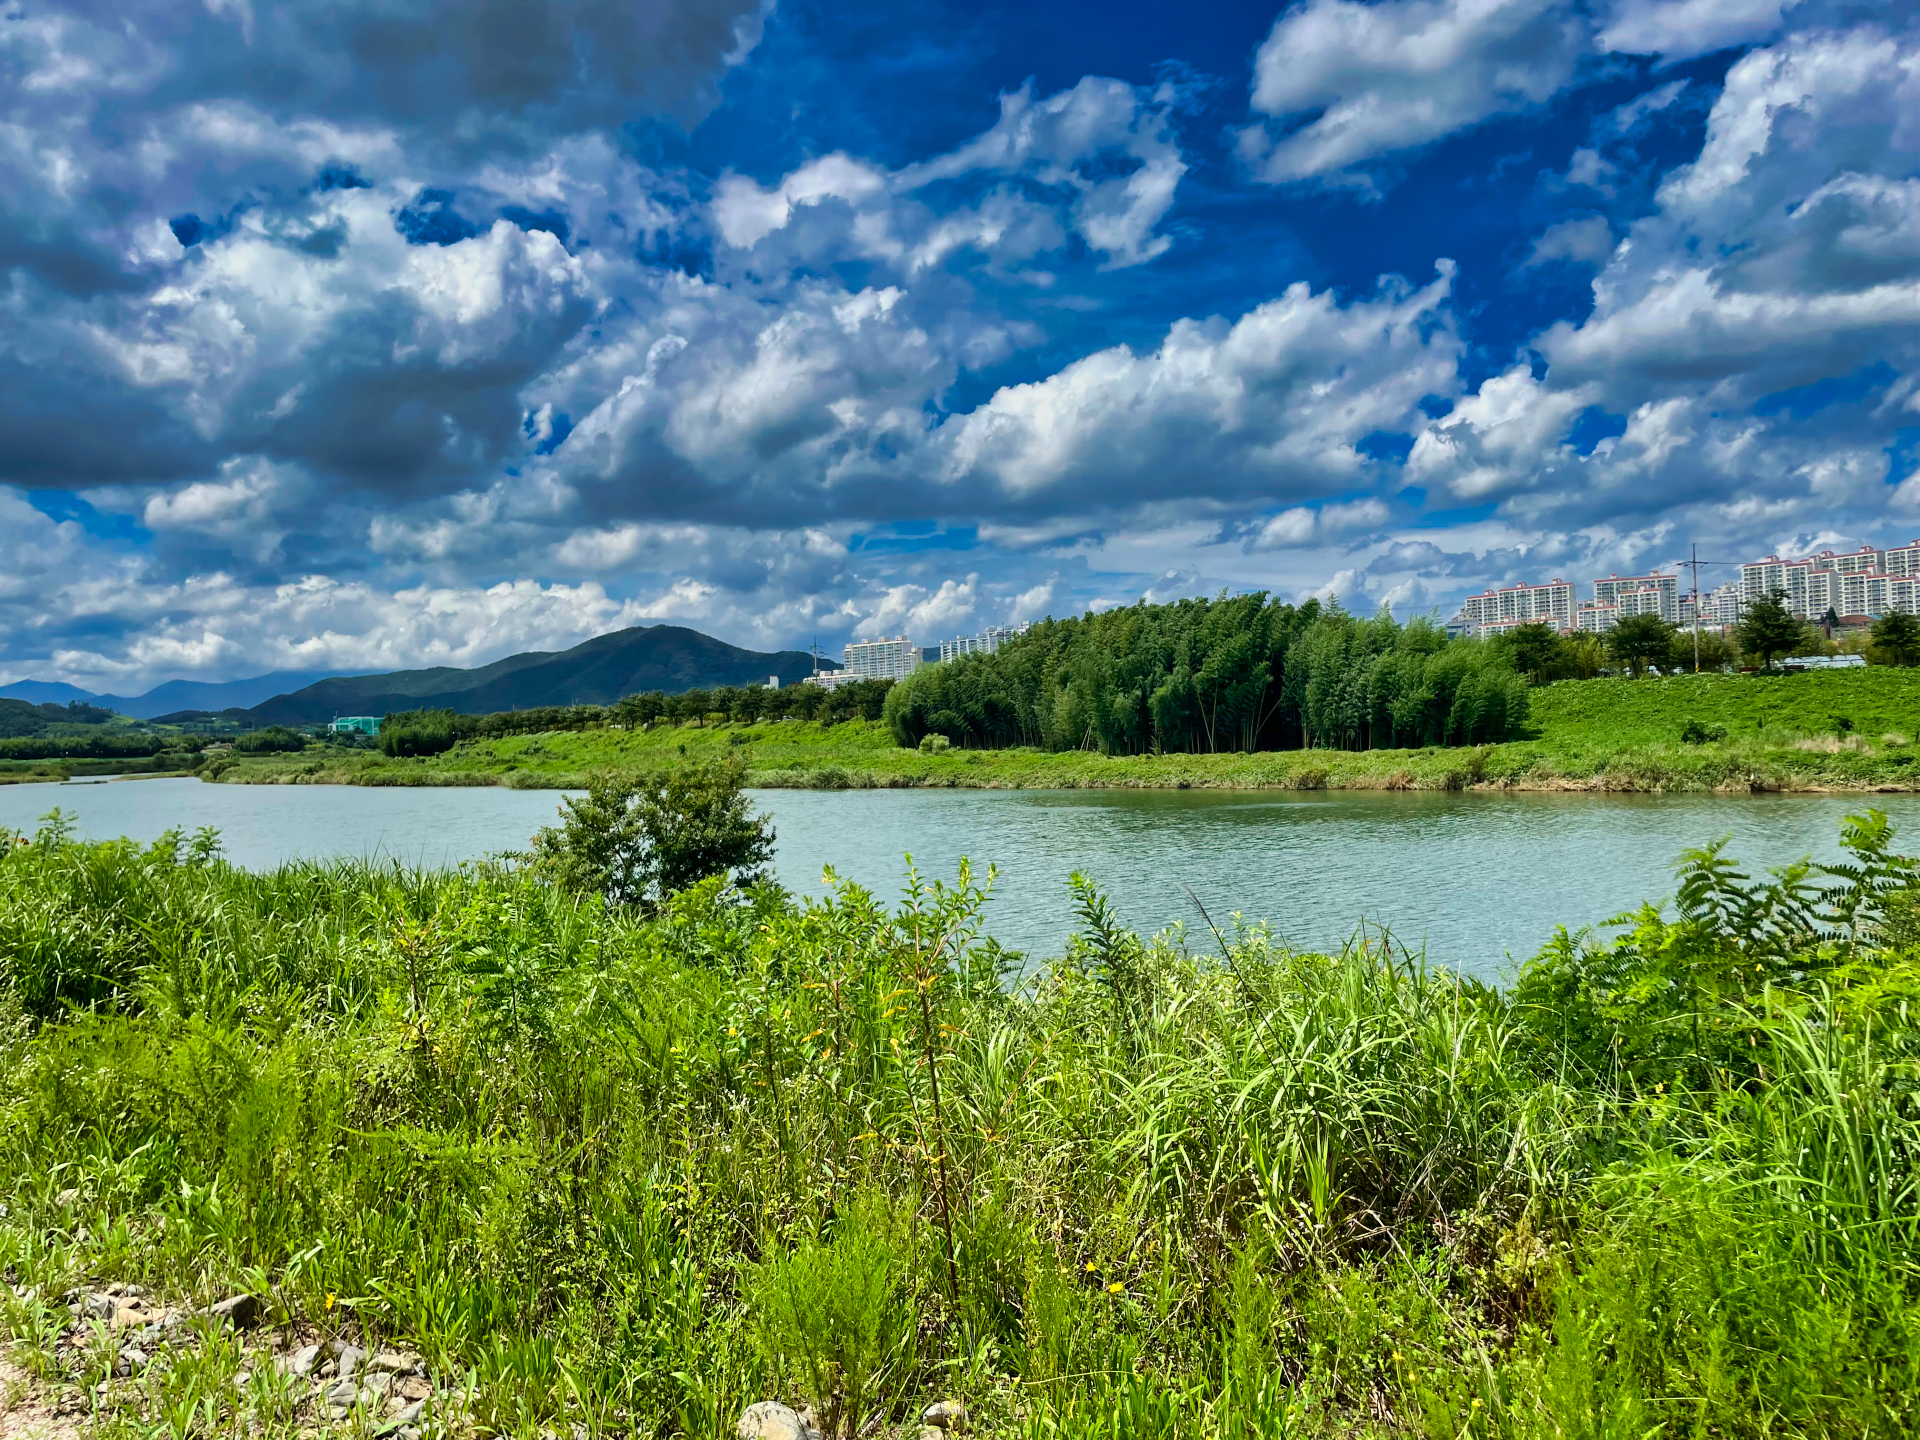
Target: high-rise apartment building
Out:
[1720,606]
[1860,584]
[1516,605]
[890,658]
[985,643]
[1654,594]
[1594,618]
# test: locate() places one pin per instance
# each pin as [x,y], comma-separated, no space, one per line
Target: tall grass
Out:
[633,1172]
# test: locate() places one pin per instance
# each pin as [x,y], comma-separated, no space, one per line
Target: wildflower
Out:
[1116,1288]
[331,1300]
[1093,1268]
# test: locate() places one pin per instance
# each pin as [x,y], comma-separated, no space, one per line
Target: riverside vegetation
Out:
[625,1166]
[1833,729]
[1235,692]
[1240,691]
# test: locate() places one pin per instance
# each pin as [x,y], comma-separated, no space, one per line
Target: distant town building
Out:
[1857,586]
[1593,618]
[1654,594]
[773,682]
[1860,584]
[1515,605]
[355,725]
[1720,606]
[985,643]
[888,658]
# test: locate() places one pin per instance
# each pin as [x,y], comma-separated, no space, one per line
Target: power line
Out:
[1694,564]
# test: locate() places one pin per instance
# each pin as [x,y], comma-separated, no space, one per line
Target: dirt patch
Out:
[26,1410]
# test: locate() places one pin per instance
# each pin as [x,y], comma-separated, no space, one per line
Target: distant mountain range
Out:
[646,657]
[173,696]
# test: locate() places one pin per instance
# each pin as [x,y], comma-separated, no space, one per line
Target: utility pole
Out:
[1694,564]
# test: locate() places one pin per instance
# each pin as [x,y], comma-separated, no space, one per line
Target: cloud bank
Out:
[340,336]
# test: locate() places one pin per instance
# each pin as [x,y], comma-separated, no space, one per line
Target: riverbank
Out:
[339,1150]
[1824,731]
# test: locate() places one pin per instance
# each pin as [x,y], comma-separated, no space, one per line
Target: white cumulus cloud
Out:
[1346,84]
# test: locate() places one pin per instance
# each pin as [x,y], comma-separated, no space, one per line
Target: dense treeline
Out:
[274,740]
[1233,674]
[113,745]
[430,732]
[20,718]
[744,704]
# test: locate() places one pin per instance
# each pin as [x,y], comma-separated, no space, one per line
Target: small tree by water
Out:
[635,839]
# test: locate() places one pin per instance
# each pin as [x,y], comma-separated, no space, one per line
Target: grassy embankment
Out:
[1610,734]
[611,1175]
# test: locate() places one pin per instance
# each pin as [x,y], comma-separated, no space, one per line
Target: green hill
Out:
[671,658]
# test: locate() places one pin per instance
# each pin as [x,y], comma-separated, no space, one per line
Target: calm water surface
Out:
[1472,877]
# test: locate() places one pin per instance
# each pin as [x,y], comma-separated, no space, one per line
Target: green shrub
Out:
[844,1311]
[633,839]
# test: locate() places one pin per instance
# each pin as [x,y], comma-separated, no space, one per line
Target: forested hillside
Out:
[22,718]
[1205,676]
[667,658]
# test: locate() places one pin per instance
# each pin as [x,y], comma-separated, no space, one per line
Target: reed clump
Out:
[633,1168]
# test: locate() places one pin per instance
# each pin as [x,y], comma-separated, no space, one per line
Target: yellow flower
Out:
[330,1299]
[1092,1268]
[1116,1288]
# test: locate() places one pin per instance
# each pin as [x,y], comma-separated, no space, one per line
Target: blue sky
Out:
[360,334]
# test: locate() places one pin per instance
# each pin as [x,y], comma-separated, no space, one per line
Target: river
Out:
[1474,878]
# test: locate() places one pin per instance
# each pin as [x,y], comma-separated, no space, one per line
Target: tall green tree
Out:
[1895,640]
[1769,630]
[1639,641]
[1539,652]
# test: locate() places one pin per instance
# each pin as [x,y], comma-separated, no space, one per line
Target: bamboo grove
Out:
[1238,673]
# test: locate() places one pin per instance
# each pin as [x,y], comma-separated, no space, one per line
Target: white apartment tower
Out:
[985,643]
[1654,594]
[1516,605]
[892,658]
[1863,583]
